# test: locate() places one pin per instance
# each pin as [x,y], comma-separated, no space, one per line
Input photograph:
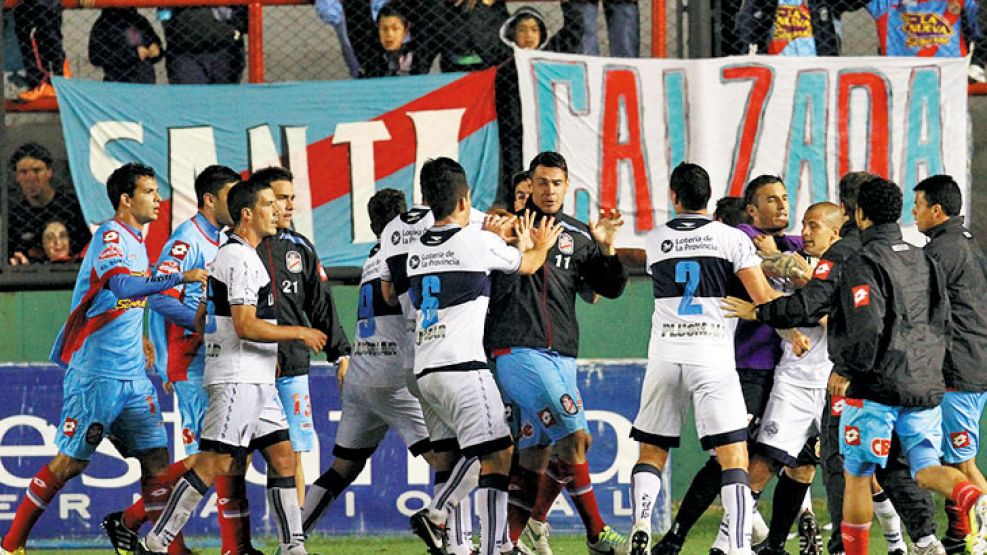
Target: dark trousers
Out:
[38,27]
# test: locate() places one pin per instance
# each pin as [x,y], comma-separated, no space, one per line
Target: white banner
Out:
[623,125]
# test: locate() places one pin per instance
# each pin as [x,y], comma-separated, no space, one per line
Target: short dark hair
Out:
[880,200]
[30,150]
[389,10]
[849,187]
[123,181]
[244,195]
[270,174]
[383,207]
[690,183]
[211,180]
[443,183]
[944,191]
[548,159]
[750,192]
[731,211]
[518,177]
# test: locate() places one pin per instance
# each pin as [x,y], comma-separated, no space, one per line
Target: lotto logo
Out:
[71,424]
[836,408]
[881,447]
[160,492]
[861,296]
[111,236]
[39,482]
[823,269]
[851,435]
[959,439]
[179,250]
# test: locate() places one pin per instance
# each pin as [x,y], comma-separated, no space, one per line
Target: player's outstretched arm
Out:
[542,239]
[757,285]
[248,326]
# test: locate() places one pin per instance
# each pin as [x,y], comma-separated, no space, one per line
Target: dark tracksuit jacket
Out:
[302,297]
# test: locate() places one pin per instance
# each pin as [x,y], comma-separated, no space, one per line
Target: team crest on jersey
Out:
[111,236]
[667,245]
[565,243]
[881,446]
[959,439]
[861,296]
[851,435]
[823,269]
[770,428]
[94,433]
[179,250]
[568,405]
[69,427]
[111,251]
[546,417]
[293,261]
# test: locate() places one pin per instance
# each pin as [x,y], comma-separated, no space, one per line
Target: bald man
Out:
[792,416]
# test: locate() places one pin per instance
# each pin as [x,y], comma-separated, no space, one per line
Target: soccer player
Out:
[301,295]
[694,262]
[107,390]
[375,397]
[534,338]
[180,354]
[244,411]
[792,416]
[888,348]
[449,273]
[937,214]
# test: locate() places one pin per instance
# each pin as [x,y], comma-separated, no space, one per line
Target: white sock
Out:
[735,494]
[890,522]
[283,500]
[462,480]
[460,527]
[925,541]
[491,504]
[185,497]
[722,541]
[807,502]
[645,487]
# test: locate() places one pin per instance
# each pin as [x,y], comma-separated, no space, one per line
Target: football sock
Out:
[135,515]
[491,504]
[645,487]
[735,494]
[233,513]
[959,522]
[523,492]
[890,522]
[856,538]
[550,485]
[785,508]
[462,480]
[965,494]
[282,496]
[580,489]
[42,489]
[320,496]
[188,492]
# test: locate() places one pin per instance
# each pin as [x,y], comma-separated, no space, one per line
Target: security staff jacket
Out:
[964,268]
[302,297]
[539,311]
[890,327]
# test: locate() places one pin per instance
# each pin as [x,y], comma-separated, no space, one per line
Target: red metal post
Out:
[658,29]
[255,42]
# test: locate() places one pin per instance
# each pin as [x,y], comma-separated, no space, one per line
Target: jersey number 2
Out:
[430,303]
[365,311]
[688,272]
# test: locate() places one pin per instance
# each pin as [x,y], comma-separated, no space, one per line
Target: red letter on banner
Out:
[621,99]
[878,128]
[750,130]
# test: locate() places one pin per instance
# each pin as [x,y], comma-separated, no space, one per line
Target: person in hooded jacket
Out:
[526,28]
[124,44]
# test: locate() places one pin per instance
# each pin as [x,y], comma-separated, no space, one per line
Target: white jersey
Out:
[238,277]
[449,274]
[381,333]
[693,262]
[811,369]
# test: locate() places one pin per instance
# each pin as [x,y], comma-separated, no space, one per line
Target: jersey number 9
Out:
[366,326]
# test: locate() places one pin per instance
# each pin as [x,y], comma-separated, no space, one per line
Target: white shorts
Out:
[368,412]
[791,418]
[469,404]
[721,414]
[241,417]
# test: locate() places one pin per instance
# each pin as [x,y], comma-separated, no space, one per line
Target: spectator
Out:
[526,28]
[124,44]
[205,45]
[361,26]
[56,243]
[39,202]
[623,27]
[397,52]
[38,26]
[466,33]
[732,211]
[331,12]
[522,189]
[789,27]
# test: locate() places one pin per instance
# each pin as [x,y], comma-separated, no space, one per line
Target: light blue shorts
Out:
[961,413]
[192,401]
[866,435]
[293,391]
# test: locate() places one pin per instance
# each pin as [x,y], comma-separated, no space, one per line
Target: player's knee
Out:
[572,448]
[66,467]
[281,459]
[653,455]
[154,462]
[802,474]
[922,456]
[348,469]
[733,455]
